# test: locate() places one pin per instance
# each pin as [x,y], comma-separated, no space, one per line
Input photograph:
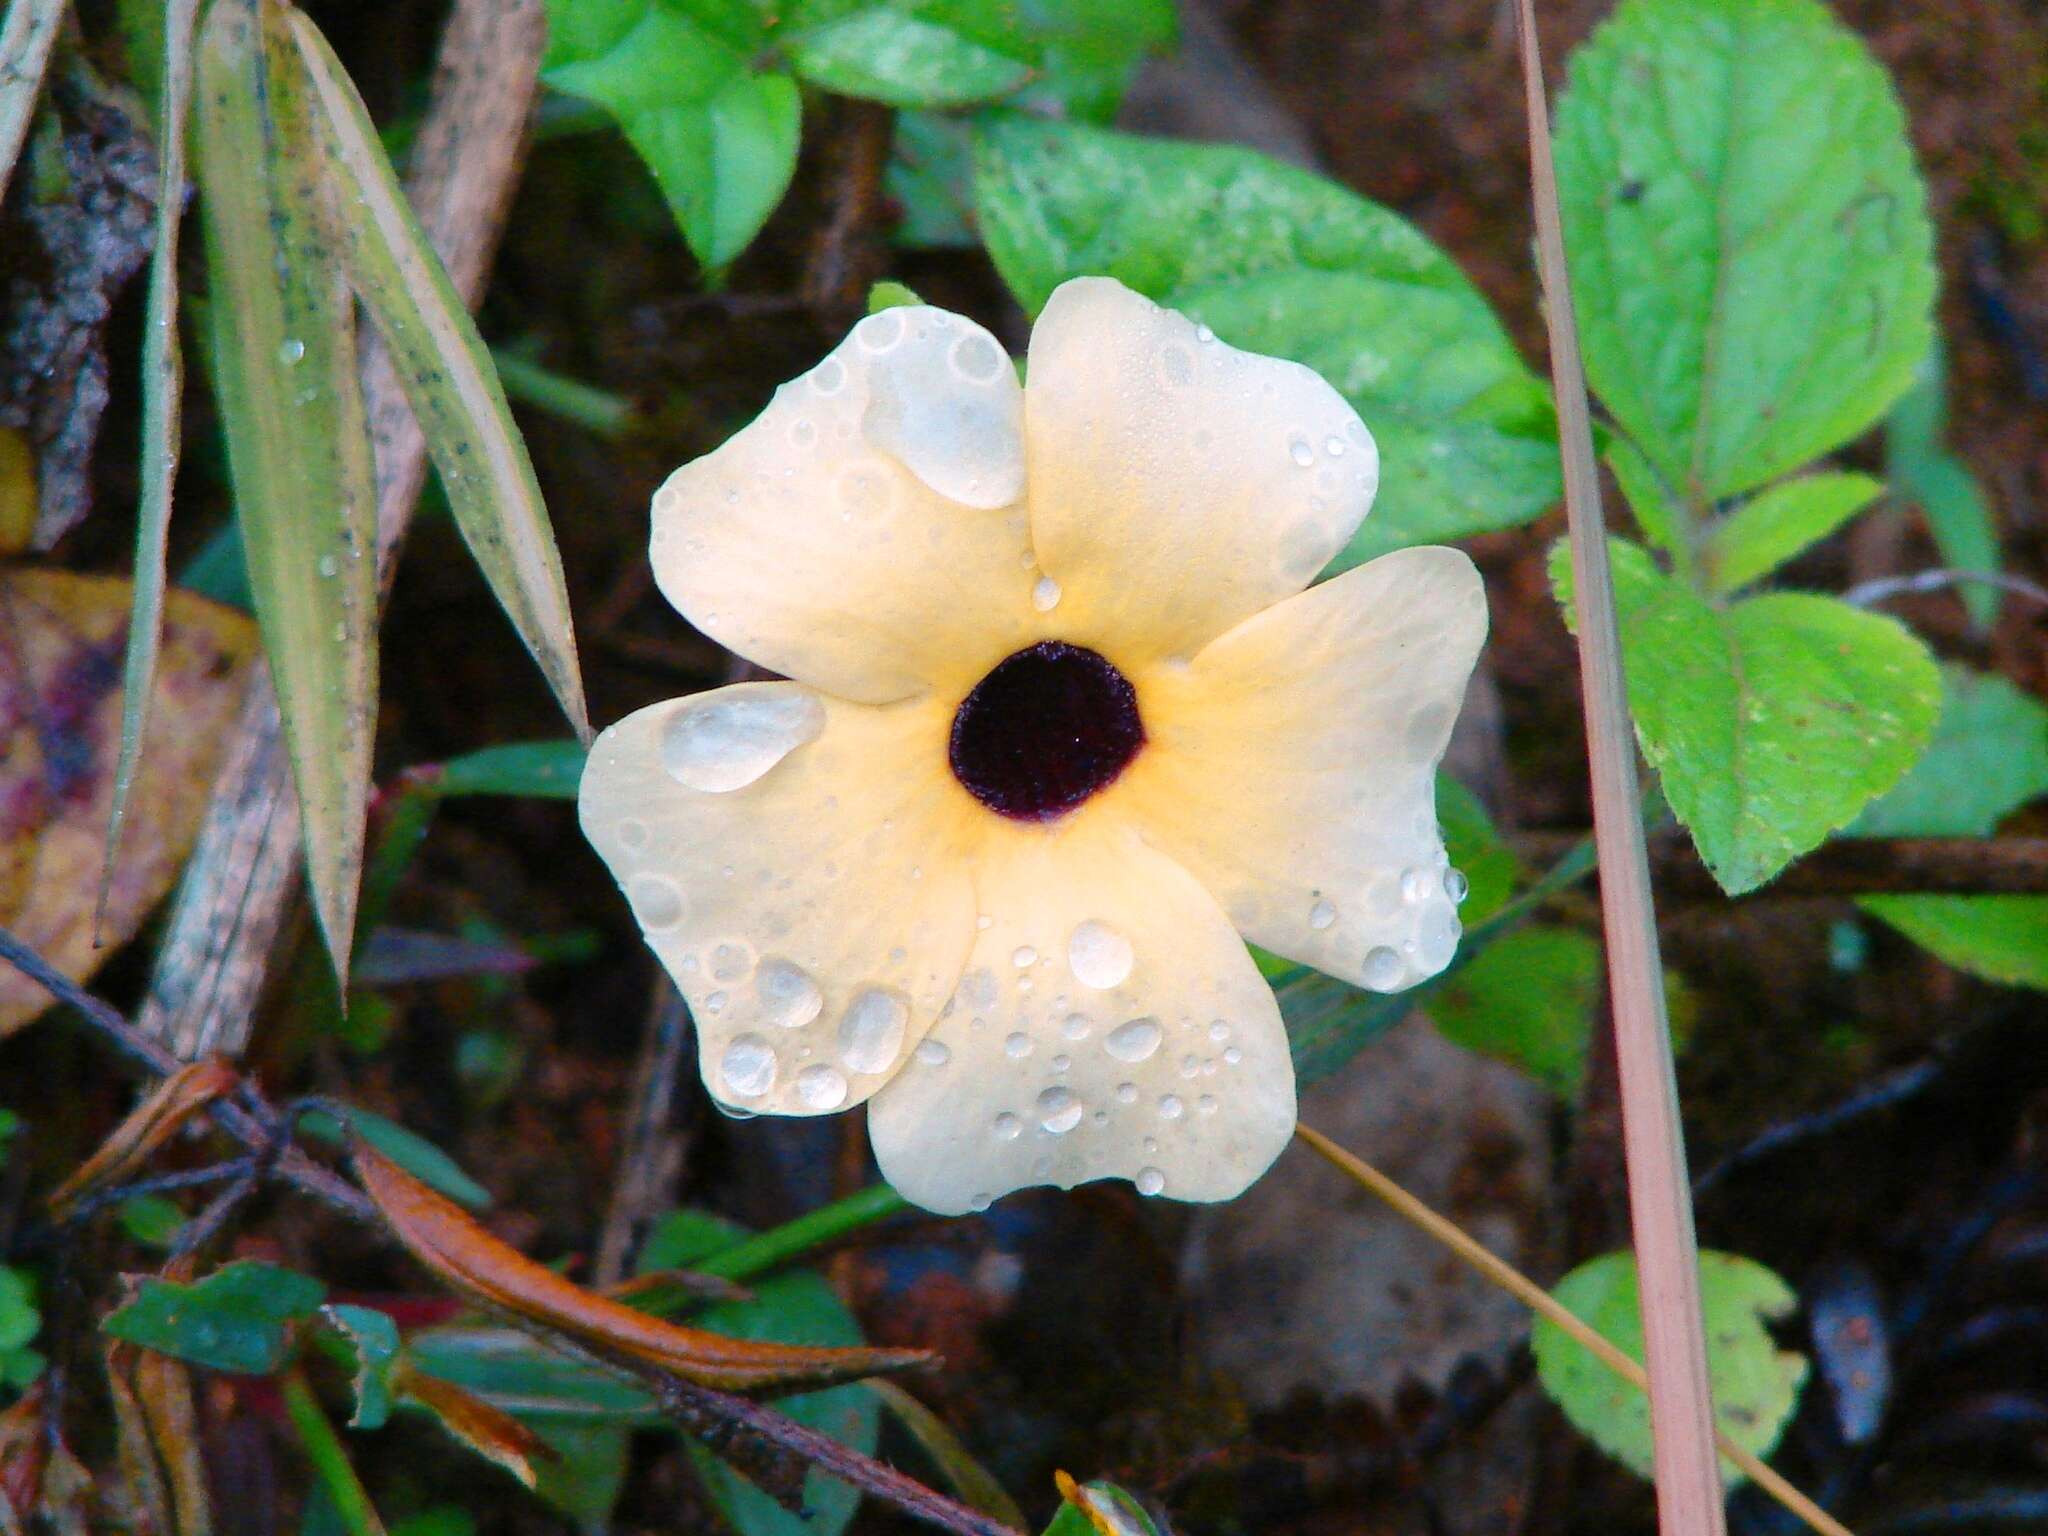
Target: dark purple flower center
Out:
[1046,729]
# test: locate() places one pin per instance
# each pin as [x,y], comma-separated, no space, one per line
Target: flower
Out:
[1063,724]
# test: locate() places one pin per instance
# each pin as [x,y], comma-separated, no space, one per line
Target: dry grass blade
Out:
[1689,1499]
[163,380]
[448,377]
[149,1125]
[26,38]
[298,439]
[1541,1302]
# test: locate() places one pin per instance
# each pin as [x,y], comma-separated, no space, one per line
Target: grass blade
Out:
[1689,1496]
[448,377]
[298,442]
[163,382]
[26,38]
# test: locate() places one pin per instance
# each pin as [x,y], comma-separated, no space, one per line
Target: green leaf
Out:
[447,375]
[373,1338]
[891,295]
[1923,470]
[1283,262]
[1657,512]
[1771,722]
[1528,999]
[889,54]
[2001,938]
[415,1154]
[298,445]
[1756,1384]
[539,770]
[537,1384]
[1748,236]
[20,1321]
[233,1320]
[152,1220]
[1088,50]
[676,74]
[1476,849]
[1123,1512]
[931,176]
[1771,527]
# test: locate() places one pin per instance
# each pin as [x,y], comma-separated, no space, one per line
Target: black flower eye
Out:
[1046,729]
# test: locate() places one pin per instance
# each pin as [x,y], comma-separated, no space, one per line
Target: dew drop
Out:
[1017,1045]
[1150,1181]
[290,351]
[821,1087]
[871,1030]
[878,333]
[1334,447]
[1219,1031]
[1415,885]
[1076,1026]
[788,995]
[1133,1041]
[1456,886]
[1007,1127]
[1024,955]
[1170,1106]
[1190,1065]
[729,962]
[829,377]
[1382,968]
[632,835]
[656,900]
[1045,594]
[715,1003]
[1204,334]
[1298,449]
[748,1066]
[1206,1104]
[803,432]
[976,359]
[1177,365]
[1232,1057]
[933,1053]
[1059,1111]
[329,565]
[1127,1093]
[1321,915]
[736,735]
[1098,955]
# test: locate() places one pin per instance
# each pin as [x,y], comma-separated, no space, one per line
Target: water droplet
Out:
[976,358]
[829,377]
[1298,449]
[1023,956]
[329,565]
[1382,968]
[1456,886]
[1045,594]
[803,432]
[1322,914]
[1098,955]
[1206,1104]
[978,988]
[632,835]
[1062,1062]
[1219,1031]
[878,333]
[1076,1026]
[715,1003]
[1190,1065]
[1334,447]
[933,1053]
[290,351]
[1415,885]
[735,735]
[821,1087]
[984,922]
[1204,334]
[1059,1111]
[1017,1045]
[871,1030]
[1135,1040]
[748,1066]
[1008,1127]
[788,995]
[729,962]
[1150,1181]
[1437,939]
[1170,1106]
[1127,1093]
[1177,365]
[1232,1057]
[656,900]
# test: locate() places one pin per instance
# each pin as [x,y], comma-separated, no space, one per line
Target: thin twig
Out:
[1681,1395]
[1849,866]
[1866,593]
[1540,1301]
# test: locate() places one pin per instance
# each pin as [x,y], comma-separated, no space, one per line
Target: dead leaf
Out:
[448,1241]
[157,1439]
[61,639]
[149,1125]
[485,1428]
[88,197]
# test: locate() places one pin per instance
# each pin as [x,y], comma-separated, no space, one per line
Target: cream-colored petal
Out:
[1178,485]
[865,533]
[1109,1025]
[1292,766]
[795,863]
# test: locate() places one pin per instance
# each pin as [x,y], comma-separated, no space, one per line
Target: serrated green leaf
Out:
[1748,236]
[1663,521]
[1756,1384]
[1777,523]
[539,770]
[233,1320]
[1280,261]
[1771,722]
[415,1154]
[906,59]
[373,1338]
[1922,469]
[448,377]
[1528,999]
[298,443]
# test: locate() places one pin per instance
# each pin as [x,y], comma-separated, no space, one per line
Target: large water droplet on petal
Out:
[1059,1111]
[1150,1181]
[735,735]
[748,1066]
[1007,1127]
[656,900]
[1322,914]
[1133,1041]
[871,1031]
[821,1087]
[788,995]
[1098,955]
[1382,968]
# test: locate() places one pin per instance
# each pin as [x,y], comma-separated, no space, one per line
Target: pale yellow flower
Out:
[1063,725]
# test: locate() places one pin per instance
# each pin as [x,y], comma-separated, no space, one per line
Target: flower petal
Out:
[1109,1025]
[1292,768]
[1179,485]
[794,862]
[861,535]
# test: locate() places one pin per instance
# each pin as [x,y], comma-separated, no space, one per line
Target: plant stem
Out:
[1543,1304]
[778,1245]
[329,1457]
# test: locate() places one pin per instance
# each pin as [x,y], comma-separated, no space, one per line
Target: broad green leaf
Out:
[448,377]
[1528,999]
[1771,722]
[1664,523]
[1283,262]
[27,34]
[1922,469]
[1756,1384]
[1115,1507]
[1989,758]
[889,53]
[233,1320]
[373,1339]
[1774,525]
[298,445]
[1476,849]
[677,75]
[163,380]
[931,176]
[792,1306]
[1748,236]
[415,1154]
[1086,52]
[540,770]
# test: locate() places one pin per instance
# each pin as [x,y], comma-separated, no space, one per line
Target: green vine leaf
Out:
[233,1320]
[1748,235]
[1281,261]
[1772,722]
[1764,532]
